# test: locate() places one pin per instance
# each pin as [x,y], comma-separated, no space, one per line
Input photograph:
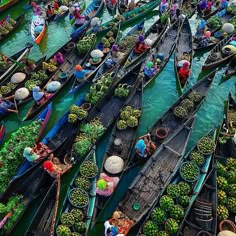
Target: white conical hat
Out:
[114,164]
[21,94]
[18,77]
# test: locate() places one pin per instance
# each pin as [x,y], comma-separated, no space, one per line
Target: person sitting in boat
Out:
[30,154]
[54,167]
[163,6]
[176,16]
[205,40]
[224,4]
[95,24]
[110,230]
[58,58]
[123,6]
[132,5]
[140,47]
[49,11]
[184,73]
[174,7]
[79,19]
[38,11]
[202,5]
[201,29]
[181,63]
[150,69]
[6,105]
[81,73]
[106,184]
[39,96]
[144,146]
[3,61]
[29,66]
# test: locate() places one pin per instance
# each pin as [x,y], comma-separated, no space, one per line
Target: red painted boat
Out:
[2,134]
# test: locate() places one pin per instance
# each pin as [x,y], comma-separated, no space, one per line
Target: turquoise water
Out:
[158,96]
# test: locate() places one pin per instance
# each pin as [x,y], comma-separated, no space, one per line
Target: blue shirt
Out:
[141,147]
[80,74]
[4,105]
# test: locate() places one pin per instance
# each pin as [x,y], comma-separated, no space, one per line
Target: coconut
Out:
[21,94]
[18,77]
[226,233]
[114,164]
[53,86]
[228,28]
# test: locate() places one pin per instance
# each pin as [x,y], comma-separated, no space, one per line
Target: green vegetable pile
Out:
[158,215]
[173,190]
[194,97]
[186,103]
[88,169]
[85,44]
[180,112]
[183,201]
[177,212]
[98,90]
[76,113]
[150,228]
[232,9]
[129,116]
[67,219]
[122,91]
[189,171]
[50,66]
[78,198]
[80,227]
[11,154]
[197,158]
[171,226]
[166,202]
[37,78]
[222,212]
[214,22]
[82,183]
[206,145]
[14,205]
[90,133]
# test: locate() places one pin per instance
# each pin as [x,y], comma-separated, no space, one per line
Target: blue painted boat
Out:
[2,134]
[91,11]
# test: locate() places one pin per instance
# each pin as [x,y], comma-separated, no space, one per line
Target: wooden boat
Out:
[122,149]
[195,185]
[154,33]
[129,17]
[2,134]
[37,21]
[168,123]
[18,21]
[230,70]
[7,4]
[146,188]
[216,56]
[88,209]
[16,62]
[164,48]
[63,75]
[91,11]
[88,63]
[184,44]
[123,48]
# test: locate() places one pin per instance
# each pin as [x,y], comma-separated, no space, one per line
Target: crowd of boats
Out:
[175,193]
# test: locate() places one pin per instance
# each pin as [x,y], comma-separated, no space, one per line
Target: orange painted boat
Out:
[38,28]
[5,5]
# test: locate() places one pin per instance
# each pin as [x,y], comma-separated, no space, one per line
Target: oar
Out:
[17,62]
[17,110]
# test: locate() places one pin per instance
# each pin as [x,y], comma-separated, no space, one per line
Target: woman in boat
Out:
[144,146]
[39,96]
[96,24]
[81,73]
[202,5]
[140,47]
[54,167]
[205,39]
[184,73]
[224,4]
[6,105]
[38,11]
[49,11]
[106,185]
[176,16]
[201,28]
[174,7]
[110,230]
[79,19]
[150,69]
[132,5]
[163,6]
[58,58]
[30,154]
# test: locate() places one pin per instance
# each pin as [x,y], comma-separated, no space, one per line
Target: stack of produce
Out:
[5,89]
[214,22]
[187,105]
[16,207]
[122,90]
[232,121]
[129,116]
[98,89]
[85,44]
[51,66]
[11,154]
[7,26]
[89,134]
[37,78]
[226,188]
[76,113]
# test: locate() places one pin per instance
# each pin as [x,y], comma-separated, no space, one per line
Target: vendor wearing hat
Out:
[206,39]
[106,184]
[30,154]
[96,57]
[184,73]
[140,45]
[110,230]
[39,96]
[150,69]
[80,73]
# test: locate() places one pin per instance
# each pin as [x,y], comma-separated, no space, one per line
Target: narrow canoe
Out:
[230,70]
[7,4]
[184,44]
[151,181]
[194,186]
[91,11]
[126,139]
[216,56]
[2,134]
[37,21]
[18,21]
[88,209]
[154,33]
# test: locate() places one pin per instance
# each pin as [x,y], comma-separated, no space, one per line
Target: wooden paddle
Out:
[17,110]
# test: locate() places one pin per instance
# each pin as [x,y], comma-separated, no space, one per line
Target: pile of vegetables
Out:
[233,22]
[37,78]
[232,121]
[189,171]
[122,90]
[7,26]
[129,116]
[180,112]
[128,42]
[164,18]
[51,66]
[232,9]
[98,89]
[206,145]
[85,44]
[15,206]
[89,134]
[78,198]
[11,154]
[5,89]
[82,182]
[226,188]
[214,22]
[195,97]
[3,30]
[197,158]
[76,113]
[88,169]
[108,40]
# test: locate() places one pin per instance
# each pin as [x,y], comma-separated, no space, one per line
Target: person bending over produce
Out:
[39,96]
[6,105]
[184,73]
[140,46]
[80,73]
